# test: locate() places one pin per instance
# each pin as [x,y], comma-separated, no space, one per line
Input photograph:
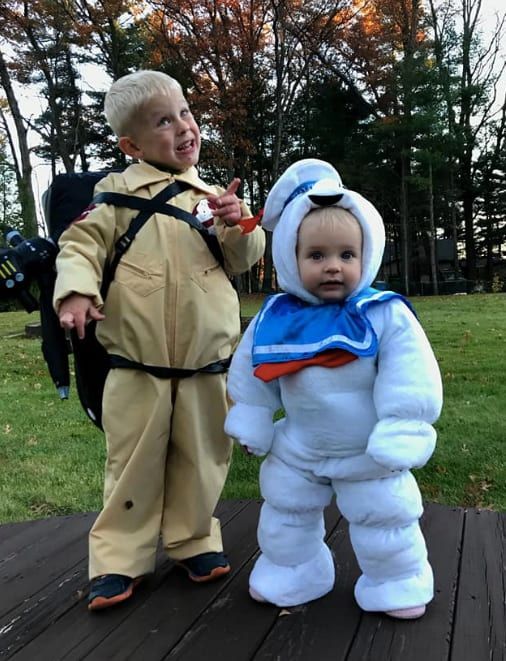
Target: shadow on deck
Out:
[43,615]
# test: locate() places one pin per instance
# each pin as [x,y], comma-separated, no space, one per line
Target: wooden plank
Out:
[336,623]
[324,628]
[39,563]
[22,538]
[480,620]
[10,530]
[175,608]
[175,619]
[234,626]
[381,637]
[59,622]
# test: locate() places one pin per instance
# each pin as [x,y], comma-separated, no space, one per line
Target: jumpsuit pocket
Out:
[142,276]
[210,278]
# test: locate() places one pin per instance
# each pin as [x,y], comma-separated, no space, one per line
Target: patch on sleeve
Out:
[84,214]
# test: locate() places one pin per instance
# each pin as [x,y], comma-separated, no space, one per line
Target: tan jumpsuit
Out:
[170,304]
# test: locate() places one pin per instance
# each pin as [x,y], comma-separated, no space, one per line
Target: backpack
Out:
[65,200]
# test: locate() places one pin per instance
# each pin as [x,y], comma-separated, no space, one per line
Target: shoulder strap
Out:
[146,209]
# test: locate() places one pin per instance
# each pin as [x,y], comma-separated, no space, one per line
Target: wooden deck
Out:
[43,615]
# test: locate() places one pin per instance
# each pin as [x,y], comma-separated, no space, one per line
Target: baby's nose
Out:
[333,264]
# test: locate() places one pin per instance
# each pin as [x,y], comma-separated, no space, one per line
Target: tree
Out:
[10,209]
[469,70]
[22,167]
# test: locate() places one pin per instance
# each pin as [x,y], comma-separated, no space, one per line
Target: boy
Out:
[169,308]
[361,389]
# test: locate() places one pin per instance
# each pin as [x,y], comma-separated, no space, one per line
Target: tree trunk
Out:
[432,236]
[23,171]
[405,242]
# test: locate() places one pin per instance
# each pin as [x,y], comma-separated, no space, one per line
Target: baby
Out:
[361,389]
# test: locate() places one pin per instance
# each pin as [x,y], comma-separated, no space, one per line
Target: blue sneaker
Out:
[206,566]
[109,590]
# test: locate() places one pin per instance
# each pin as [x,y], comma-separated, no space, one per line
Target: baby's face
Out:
[166,132]
[329,256]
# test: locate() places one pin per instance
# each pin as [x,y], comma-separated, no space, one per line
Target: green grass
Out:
[51,456]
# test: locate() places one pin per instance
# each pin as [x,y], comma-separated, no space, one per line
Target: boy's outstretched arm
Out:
[76,311]
[227,206]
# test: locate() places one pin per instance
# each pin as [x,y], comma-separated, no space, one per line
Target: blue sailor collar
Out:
[290,329]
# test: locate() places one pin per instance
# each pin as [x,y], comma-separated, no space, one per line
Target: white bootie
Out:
[292,585]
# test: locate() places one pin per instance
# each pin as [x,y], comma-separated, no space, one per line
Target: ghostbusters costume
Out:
[354,430]
[170,305]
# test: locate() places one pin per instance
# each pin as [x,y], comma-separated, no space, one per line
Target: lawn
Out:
[51,456]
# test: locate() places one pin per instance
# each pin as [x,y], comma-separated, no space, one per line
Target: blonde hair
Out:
[127,94]
[333,213]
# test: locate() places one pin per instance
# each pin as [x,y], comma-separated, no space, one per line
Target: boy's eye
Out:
[316,255]
[347,254]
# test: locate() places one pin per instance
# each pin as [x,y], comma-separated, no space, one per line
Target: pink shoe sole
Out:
[407,613]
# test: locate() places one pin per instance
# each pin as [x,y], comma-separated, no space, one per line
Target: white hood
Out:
[305,185]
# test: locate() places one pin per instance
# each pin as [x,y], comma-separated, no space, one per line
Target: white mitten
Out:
[399,443]
[252,426]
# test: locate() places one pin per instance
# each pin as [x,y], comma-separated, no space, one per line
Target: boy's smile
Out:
[329,256]
[165,133]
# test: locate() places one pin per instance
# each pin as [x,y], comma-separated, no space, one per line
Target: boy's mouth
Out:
[186,146]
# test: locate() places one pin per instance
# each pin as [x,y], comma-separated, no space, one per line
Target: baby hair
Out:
[127,94]
[332,214]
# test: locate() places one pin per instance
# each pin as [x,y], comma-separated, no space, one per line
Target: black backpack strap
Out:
[119,362]
[150,207]
[146,209]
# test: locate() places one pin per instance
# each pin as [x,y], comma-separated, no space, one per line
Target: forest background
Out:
[403,97]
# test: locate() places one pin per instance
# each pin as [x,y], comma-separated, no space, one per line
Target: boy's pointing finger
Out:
[233,186]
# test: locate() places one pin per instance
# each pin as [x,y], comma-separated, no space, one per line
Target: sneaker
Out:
[109,590]
[206,566]
[407,613]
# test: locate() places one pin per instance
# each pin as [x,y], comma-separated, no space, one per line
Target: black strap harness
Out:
[146,209]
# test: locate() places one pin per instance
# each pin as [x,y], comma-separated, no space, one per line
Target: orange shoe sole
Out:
[99,603]
[217,572]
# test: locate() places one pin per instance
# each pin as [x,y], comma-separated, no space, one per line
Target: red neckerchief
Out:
[331,358]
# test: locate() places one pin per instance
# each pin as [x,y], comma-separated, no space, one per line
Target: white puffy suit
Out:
[354,431]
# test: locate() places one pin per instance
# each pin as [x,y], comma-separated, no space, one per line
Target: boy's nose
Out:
[182,125]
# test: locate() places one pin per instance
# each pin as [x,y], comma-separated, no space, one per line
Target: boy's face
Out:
[165,133]
[329,256]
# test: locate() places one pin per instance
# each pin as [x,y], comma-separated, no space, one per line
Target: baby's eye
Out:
[164,121]
[347,254]
[316,255]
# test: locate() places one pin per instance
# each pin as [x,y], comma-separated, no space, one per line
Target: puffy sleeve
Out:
[254,402]
[407,391]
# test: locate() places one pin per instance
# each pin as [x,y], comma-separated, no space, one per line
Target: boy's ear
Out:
[128,147]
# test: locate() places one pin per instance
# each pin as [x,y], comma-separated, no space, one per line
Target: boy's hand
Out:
[227,206]
[76,311]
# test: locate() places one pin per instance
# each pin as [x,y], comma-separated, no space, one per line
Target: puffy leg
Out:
[295,565]
[388,542]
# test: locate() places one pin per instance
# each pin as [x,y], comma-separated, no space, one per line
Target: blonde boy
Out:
[170,323]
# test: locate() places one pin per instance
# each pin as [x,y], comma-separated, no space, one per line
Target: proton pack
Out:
[28,260]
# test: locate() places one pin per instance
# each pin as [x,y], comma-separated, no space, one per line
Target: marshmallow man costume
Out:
[354,431]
